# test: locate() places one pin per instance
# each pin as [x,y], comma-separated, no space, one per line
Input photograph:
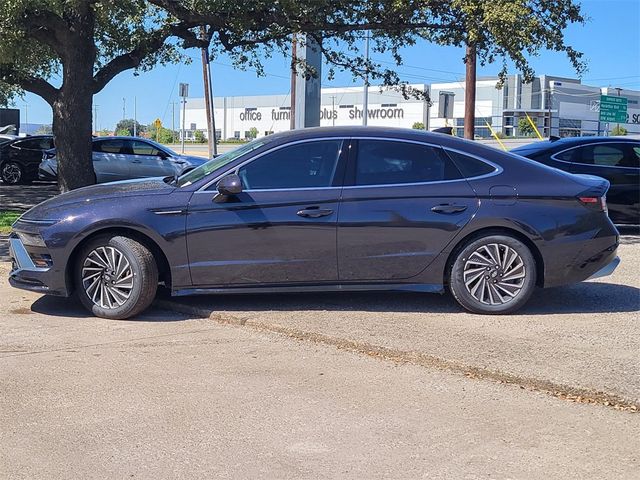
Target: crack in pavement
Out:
[558,390]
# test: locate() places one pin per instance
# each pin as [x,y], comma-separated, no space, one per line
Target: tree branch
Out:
[32,84]
[152,43]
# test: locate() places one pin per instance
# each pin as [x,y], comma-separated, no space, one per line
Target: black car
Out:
[20,158]
[330,209]
[615,158]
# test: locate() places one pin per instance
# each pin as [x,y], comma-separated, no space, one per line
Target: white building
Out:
[558,106]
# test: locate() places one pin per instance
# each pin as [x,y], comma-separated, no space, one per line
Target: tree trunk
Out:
[72,110]
[470,93]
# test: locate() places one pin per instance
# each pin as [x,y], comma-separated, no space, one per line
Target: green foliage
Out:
[66,51]
[6,219]
[123,132]
[127,125]
[199,137]
[524,127]
[44,130]
[618,130]
[418,126]
[253,133]
[104,132]
[165,135]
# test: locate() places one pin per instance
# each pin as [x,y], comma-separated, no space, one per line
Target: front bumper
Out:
[46,175]
[27,276]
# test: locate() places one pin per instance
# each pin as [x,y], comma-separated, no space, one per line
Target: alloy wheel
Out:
[11,173]
[107,277]
[494,274]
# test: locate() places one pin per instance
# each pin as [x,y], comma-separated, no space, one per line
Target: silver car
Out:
[123,158]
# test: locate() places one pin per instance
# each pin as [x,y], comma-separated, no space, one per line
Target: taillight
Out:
[599,203]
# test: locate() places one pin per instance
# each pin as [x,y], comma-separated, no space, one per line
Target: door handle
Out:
[314,212]
[136,161]
[449,208]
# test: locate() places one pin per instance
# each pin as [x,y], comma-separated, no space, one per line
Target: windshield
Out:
[216,163]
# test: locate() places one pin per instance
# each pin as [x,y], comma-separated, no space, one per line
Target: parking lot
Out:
[325,386]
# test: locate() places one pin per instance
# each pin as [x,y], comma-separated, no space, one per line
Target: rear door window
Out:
[603,155]
[110,146]
[384,162]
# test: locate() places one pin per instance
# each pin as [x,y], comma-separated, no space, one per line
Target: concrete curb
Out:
[564,392]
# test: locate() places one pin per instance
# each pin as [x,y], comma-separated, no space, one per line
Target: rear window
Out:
[470,166]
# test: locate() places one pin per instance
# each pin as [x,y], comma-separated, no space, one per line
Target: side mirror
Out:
[228,186]
[162,155]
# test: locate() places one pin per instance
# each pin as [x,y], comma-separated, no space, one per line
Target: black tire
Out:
[501,287]
[12,173]
[137,263]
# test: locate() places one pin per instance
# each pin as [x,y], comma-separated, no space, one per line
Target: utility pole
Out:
[95,117]
[470,92]
[135,117]
[26,115]
[294,74]
[124,102]
[365,96]
[208,96]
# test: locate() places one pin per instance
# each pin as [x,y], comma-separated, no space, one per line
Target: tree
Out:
[66,51]
[524,127]
[198,137]
[418,126]
[507,30]
[127,125]
[618,131]
[165,135]
[44,130]
[253,133]
[86,43]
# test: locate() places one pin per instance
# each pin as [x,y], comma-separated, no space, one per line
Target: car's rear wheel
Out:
[12,173]
[493,274]
[116,277]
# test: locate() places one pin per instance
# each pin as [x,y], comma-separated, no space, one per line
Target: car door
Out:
[146,160]
[620,164]
[402,203]
[28,153]
[280,230]
[110,161]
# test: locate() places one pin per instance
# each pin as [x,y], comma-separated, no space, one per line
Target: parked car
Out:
[123,158]
[328,209]
[615,158]
[20,157]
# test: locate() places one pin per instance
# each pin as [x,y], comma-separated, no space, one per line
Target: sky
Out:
[610,42]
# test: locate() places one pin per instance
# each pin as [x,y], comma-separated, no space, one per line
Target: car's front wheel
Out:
[493,274]
[12,173]
[116,277]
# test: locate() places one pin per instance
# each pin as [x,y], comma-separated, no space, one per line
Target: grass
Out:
[6,219]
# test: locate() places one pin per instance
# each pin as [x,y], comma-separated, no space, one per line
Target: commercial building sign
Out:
[613,109]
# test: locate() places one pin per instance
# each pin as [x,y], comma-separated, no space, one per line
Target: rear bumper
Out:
[27,276]
[607,269]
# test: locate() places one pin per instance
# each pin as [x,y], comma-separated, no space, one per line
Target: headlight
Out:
[31,239]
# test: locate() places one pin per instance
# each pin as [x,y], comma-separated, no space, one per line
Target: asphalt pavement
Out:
[325,386]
